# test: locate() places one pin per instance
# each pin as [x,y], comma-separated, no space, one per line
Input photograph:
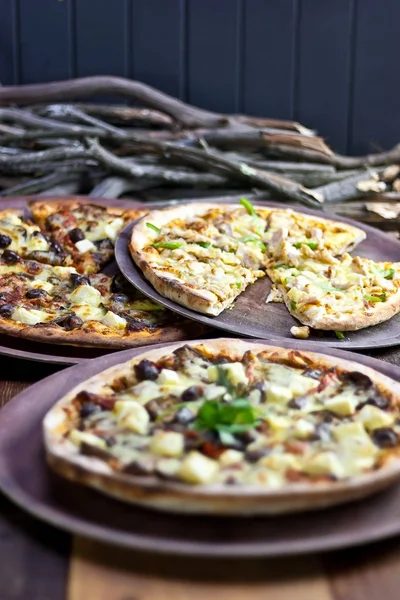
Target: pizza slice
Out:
[203,256]
[20,237]
[83,231]
[229,426]
[59,305]
[293,236]
[343,294]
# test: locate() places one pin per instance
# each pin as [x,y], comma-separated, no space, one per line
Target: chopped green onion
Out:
[293,305]
[238,285]
[168,245]
[311,245]
[255,240]
[153,227]
[283,267]
[371,298]
[248,206]
[203,244]
[388,273]
[339,335]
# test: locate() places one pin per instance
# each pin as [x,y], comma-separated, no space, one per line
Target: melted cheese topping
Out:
[309,424]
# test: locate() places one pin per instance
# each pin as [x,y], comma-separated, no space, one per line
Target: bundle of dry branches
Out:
[111,150]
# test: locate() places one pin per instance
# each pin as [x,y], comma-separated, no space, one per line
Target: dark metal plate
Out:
[25,479]
[251,317]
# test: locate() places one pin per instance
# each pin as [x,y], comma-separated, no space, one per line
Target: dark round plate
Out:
[251,316]
[25,479]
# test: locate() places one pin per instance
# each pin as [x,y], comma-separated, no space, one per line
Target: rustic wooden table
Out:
[39,562]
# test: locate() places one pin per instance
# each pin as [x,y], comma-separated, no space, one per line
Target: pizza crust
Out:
[91,339]
[217,499]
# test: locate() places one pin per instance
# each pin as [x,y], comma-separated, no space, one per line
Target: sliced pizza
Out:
[343,294]
[83,231]
[230,427]
[204,255]
[59,305]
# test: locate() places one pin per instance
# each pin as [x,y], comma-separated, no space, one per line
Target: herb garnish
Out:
[235,417]
[153,227]
[373,298]
[248,206]
[311,245]
[339,335]
[168,245]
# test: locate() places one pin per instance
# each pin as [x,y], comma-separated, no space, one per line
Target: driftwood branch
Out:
[61,91]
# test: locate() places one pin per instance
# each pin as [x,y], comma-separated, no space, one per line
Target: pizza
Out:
[346,293]
[84,233]
[229,427]
[204,256]
[52,290]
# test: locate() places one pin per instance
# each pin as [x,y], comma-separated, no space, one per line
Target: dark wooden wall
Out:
[328,63]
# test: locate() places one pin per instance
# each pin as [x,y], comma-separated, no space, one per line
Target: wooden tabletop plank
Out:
[108,573]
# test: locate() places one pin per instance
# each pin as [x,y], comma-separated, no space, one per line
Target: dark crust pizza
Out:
[52,288]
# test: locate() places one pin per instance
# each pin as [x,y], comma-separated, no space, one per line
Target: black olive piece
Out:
[359,379]
[10,257]
[247,437]
[314,373]
[378,401]
[35,293]
[71,322]
[153,408]
[77,279]
[194,392]
[110,441]
[88,408]
[297,403]
[76,235]
[139,467]
[147,369]
[253,456]
[55,246]
[5,241]
[184,416]
[6,310]
[231,480]
[177,427]
[384,437]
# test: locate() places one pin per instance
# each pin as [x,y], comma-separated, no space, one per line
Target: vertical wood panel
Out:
[158,44]
[100,37]
[269,57]
[213,54]
[376,106]
[8,43]
[44,40]
[322,98]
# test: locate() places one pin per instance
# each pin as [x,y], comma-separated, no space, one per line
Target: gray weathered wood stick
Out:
[117,114]
[351,188]
[254,177]
[61,91]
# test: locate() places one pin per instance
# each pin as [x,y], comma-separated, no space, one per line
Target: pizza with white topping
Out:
[230,427]
[203,256]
